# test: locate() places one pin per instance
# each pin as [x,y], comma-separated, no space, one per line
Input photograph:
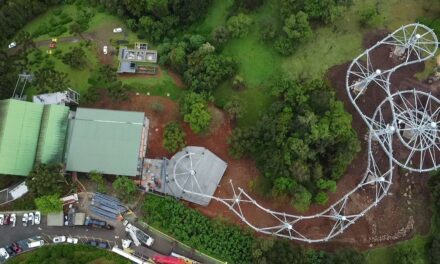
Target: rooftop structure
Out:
[192,174]
[28,133]
[67,97]
[19,130]
[52,134]
[107,141]
[55,219]
[137,60]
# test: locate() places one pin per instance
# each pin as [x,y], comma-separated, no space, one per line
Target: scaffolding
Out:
[405,120]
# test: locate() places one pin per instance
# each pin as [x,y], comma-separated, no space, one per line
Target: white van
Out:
[35,244]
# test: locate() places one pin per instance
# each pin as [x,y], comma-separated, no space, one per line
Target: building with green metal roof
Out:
[30,132]
[112,142]
[105,140]
[53,133]
[19,130]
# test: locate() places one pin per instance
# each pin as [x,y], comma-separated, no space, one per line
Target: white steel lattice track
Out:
[407,121]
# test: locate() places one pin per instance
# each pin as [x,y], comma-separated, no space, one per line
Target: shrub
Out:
[407,254]
[301,199]
[238,26]
[321,198]
[49,204]
[125,188]
[174,137]
[194,109]
[370,17]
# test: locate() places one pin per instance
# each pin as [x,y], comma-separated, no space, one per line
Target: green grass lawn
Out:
[162,85]
[215,17]
[78,78]
[97,21]
[329,46]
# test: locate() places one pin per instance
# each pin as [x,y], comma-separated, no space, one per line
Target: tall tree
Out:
[49,204]
[46,180]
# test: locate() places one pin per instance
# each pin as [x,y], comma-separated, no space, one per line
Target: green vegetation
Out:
[173,137]
[229,242]
[46,180]
[305,139]
[69,65]
[98,179]
[72,254]
[49,204]
[125,188]
[194,110]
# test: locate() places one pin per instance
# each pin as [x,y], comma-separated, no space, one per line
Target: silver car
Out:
[25,219]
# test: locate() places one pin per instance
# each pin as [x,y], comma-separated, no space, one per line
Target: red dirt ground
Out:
[397,217]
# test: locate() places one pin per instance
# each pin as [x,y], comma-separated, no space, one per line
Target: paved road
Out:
[161,246]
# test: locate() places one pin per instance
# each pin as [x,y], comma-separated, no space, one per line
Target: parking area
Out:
[96,230]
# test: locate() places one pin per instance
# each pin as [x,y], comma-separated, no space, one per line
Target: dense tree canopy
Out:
[46,180]
[305,138]
[206,69]
[157,19]
[15,14]
[75,58]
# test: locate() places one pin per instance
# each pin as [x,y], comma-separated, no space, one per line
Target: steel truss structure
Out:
[405,121]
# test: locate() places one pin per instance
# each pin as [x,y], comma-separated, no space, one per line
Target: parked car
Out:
[117,30]
[34,244]
[72,240]
[13,219]
[25,219]
[7,220]
[11,252]
[105,50]
[103,245]
[31,218]
[97,223]
[3,253]
[2,219]
[16,248]
[12,45]
[37,218]
[93,243]
[59,239]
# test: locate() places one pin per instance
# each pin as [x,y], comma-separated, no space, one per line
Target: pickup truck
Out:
[97,223]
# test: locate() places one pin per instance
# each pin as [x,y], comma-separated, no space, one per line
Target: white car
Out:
[13,219]
[72,240]
[12,45]
[117,30]
[37,218]
[59,239]
[25,219]
[2,219]
[105,50]
[31,218]
[3,253]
